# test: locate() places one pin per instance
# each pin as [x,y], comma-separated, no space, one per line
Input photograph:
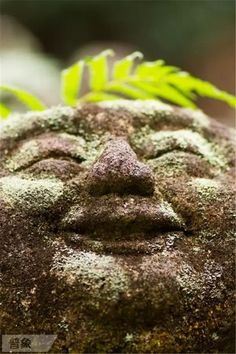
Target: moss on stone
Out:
[102,275]
[208,189]
[32,195]
[29,151]
[127,269]
[184,140]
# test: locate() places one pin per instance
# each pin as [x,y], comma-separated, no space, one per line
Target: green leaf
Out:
[129,91]
[122,68]
[156,70]
[71,82]
[166,92]
[4,111]
[190,84]
[148,80]
[98,68]
[30,101]
[206,89]
[99,96]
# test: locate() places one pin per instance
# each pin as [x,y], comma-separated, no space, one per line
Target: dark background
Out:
[197,35]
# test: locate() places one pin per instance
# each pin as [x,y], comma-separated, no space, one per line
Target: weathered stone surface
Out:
[122,174]
[117,228]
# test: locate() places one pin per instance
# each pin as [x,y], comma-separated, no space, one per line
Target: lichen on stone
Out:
[31,195]
[20,123]
[117,228]
[208,285]
[186,140]
[101,275]
[207,188]
[28,152]
[138,106]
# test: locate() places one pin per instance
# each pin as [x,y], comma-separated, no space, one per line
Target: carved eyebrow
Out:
[184,140]
[42,147]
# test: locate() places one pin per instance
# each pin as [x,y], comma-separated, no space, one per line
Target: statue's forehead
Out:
[116,117]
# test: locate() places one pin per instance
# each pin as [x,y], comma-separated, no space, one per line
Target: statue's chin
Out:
[135,289]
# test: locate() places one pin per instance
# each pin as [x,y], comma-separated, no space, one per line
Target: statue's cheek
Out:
[31,196]
[203,203]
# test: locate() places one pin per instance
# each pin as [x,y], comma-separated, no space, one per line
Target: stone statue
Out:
[117,228]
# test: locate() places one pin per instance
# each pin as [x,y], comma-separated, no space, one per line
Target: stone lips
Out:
[123,216]
[166,290]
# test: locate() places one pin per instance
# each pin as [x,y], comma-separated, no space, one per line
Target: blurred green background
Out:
[197,35]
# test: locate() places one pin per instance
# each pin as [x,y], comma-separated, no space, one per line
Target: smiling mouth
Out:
[156,242]
[127,225]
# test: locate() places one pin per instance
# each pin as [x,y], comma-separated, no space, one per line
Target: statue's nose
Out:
[118,170]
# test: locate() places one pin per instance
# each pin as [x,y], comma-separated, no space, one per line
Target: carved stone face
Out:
[117,228]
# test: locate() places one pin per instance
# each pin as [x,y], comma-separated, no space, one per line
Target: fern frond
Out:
[126,89]
[4,111]
[125,79]
[166,92]
[70,83]
[189,84]
[147,80]
[31,102]
[98,97]
[122,68]
[98,68]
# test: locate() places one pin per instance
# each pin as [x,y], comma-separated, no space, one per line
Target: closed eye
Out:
[167,150]
[176,163]
[42,148]
[64,168]
[160,143]
[55,156]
